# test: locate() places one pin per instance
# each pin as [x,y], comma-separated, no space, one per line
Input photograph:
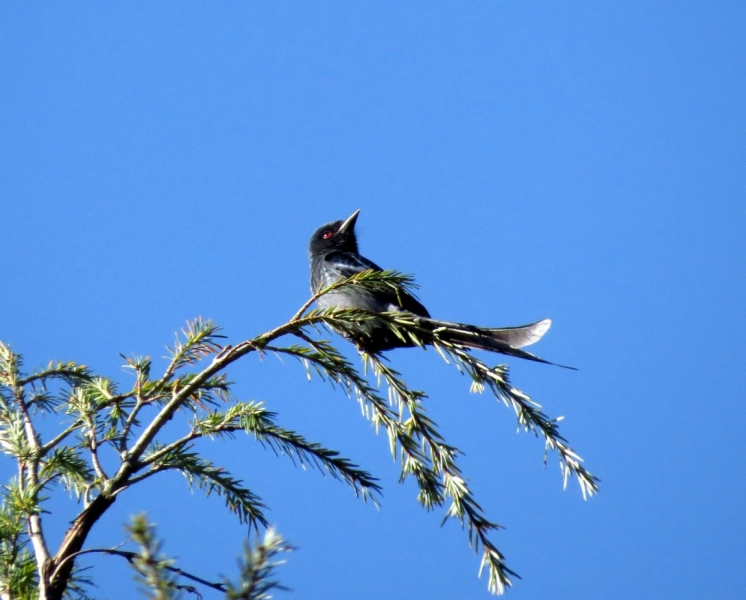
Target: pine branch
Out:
[238,499]
[66,464]
[434,469]
[529,414]
[69,372]
[13,439]
[530,417]
[450,481]
[254,419]
[151,566]
[200,340]
[226,356]
[10,365]
[324,359]
[256,577]
[18,576]
[28,464]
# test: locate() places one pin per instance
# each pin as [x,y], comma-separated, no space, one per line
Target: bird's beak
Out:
[349,224]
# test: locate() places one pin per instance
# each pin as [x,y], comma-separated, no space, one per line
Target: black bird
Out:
[333,253]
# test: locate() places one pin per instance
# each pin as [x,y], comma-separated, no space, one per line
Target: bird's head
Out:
[338,235]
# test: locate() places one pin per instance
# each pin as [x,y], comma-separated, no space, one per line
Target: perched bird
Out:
[334,254]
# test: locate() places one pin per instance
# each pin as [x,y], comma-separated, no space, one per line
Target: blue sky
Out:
[581,161]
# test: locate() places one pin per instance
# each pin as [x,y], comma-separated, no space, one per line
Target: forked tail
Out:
[505,340]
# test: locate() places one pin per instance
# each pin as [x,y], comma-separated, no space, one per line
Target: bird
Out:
[333,254]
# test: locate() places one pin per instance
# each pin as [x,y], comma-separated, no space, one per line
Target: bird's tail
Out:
[505,340]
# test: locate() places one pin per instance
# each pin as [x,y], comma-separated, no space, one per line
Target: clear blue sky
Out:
[582,161]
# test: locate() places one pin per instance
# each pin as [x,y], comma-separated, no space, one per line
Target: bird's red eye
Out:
[327,235]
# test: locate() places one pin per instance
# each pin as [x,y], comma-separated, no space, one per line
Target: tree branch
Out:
[131,556]
[224,358]
[44,450]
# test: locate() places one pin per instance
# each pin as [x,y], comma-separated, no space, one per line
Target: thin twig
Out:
[130,558]
[44,450]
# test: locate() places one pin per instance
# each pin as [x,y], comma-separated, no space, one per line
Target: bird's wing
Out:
[349,263]
[410,303]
